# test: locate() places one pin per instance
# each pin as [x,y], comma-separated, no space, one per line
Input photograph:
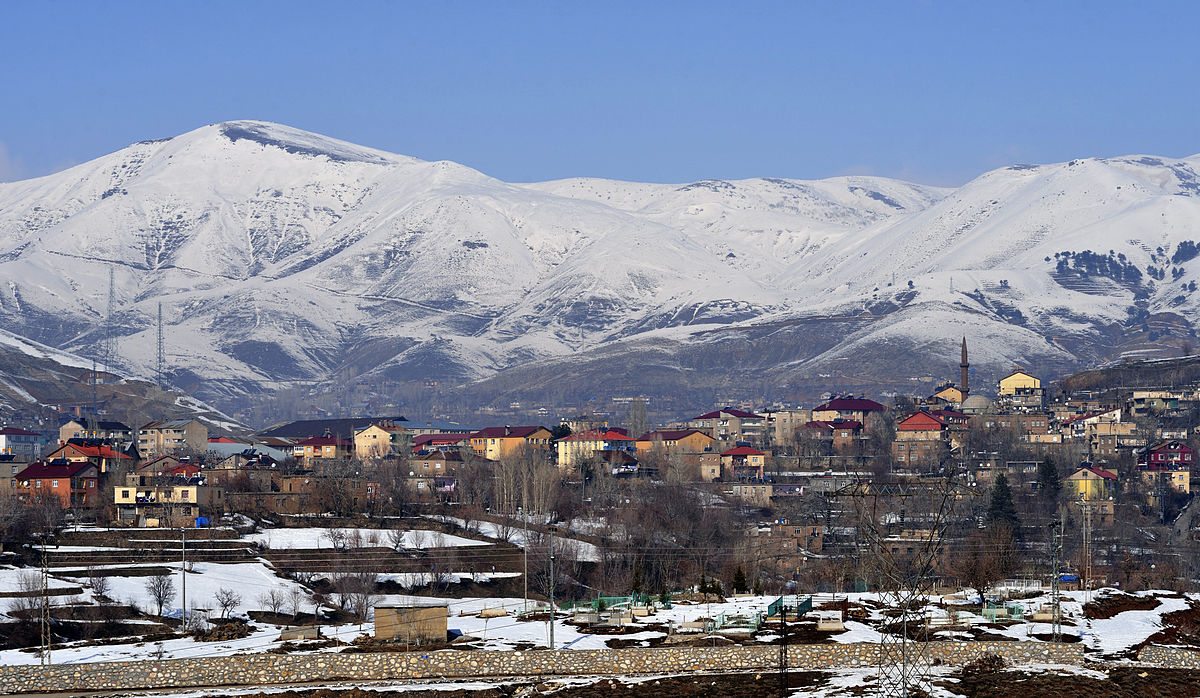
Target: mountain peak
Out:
[298,142]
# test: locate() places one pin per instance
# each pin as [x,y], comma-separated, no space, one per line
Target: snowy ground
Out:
[14,579]
[318,538]
[515,534]
[252,581]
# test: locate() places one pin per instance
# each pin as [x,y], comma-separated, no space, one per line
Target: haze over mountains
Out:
[282,257]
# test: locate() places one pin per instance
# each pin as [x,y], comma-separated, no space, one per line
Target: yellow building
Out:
[322,447]
[417,624]
[949,393]
[495,443]
[378,440]
[577,448]
[1178,480]
[682,441]
[165,501]
[1018,380]
[172,436]
[1091,483]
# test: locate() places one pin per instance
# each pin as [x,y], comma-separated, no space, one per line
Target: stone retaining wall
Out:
[1170,657]
[266,669]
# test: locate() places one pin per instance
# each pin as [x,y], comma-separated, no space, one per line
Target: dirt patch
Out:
[803,633]
[1131,682]
[702,686]
[1111,605]
[1179,628]
[222,631]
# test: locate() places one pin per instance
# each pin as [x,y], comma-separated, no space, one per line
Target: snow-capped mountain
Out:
[283,257]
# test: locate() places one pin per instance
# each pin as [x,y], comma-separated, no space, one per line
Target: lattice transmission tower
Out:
[160,361]
[902,527]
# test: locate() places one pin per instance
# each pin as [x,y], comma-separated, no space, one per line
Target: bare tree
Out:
[272,600]
[101,585]
[356,592]
[336,537]
[30,600]
[14,519]
[295,599]
[985,557]
[227,600]
[161,588]
[505,529]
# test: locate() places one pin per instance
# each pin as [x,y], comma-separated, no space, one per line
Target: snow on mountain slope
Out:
[760,225]
[281,256]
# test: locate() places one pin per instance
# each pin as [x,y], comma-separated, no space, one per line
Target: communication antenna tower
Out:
[95,402]
[160,360]
[110,342]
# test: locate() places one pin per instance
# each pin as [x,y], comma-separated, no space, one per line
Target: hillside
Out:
[37,381]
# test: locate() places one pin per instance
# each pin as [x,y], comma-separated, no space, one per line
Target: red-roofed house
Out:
[730,424]
[495,443]
[103,457]
[1166,455]
[922,439]
[73,483]
[744,463]
[1091,483]
[1166,463]
[577,448]
[439,442]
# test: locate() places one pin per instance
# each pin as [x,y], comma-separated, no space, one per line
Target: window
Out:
[54,484]
[91,483]
[37,483]
[124,494]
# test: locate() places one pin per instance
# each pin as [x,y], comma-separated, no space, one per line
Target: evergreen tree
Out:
[1049,484]
[739,581]
[1001,510]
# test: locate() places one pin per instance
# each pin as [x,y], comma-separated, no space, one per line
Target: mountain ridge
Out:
[285,258]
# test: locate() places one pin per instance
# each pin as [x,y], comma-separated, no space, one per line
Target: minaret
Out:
[965,387]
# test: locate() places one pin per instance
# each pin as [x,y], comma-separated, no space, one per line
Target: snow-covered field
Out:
[318,538]
[252,580]
[581,550]
[255,581]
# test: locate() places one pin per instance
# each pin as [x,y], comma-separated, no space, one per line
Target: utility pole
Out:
[45,610]
[1162,497]
[783,668]
[1056,530]
[1087,548]
[183,573]
[525,547]
[551,589]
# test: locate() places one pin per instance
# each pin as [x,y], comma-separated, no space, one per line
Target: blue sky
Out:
[652,91]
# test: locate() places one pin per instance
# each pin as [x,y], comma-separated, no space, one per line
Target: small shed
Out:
[417,624]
